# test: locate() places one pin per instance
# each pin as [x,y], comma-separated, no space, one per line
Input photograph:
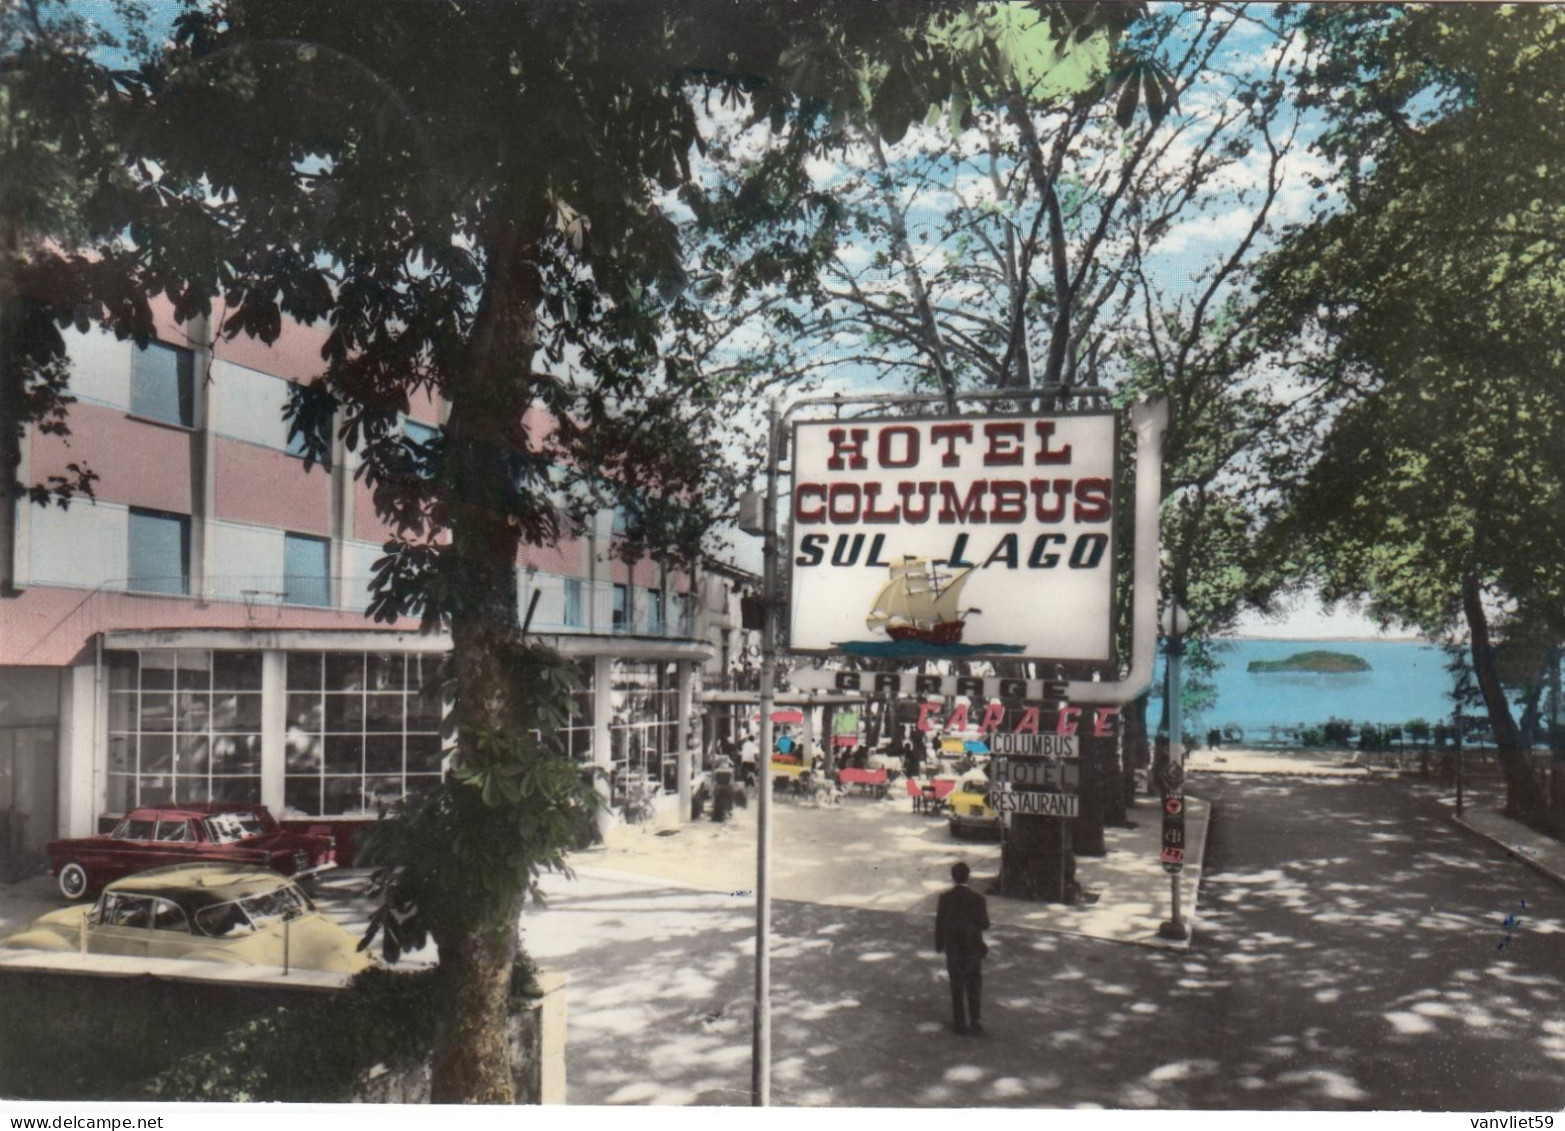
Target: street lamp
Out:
[1174,624]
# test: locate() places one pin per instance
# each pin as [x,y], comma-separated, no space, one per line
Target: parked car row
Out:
[154,837]
[210,882]
[221,913]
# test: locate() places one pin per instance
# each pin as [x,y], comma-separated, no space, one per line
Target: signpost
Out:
[1172,855]
[954,537]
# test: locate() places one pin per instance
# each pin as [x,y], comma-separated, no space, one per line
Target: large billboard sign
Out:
[954,536]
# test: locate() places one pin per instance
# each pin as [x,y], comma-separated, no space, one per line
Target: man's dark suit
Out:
[961,918]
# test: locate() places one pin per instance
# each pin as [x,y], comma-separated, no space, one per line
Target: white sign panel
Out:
[1033,745]
[954,536]
[1062,776]
[1037,804]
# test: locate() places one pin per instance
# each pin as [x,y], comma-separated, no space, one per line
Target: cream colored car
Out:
[221,913]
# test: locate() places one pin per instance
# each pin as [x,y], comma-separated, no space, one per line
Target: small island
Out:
[1330,662]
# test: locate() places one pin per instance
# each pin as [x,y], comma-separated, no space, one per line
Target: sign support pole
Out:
[1174,772]
[761,1033]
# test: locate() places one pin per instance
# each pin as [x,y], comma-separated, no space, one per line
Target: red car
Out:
[218,832]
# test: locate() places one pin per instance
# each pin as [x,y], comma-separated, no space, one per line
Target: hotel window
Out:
[162,383]
[184,726]
[159,552]
[363,731]
[423,435]
[655,620]
[306,570]
[621,608]
[573,607]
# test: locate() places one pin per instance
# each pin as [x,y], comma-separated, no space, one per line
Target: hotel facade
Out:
[197,632]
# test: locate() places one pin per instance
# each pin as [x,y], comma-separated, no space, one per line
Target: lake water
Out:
[1406,681]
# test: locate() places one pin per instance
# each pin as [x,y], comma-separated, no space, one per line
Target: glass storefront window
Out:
[184,726]
[576,739]
[363,731]
[643,727]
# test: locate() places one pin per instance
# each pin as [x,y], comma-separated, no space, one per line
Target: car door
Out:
[131,850]
[121,924]
[173,843]
[171,935]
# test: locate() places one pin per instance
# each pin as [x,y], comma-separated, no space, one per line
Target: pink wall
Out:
[50,627]
[138,462]
[270,488]
[644,573]
[367,526]
[566,557]
[296,355]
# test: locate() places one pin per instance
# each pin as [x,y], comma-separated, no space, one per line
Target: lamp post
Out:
[1174,624]
[761,1031]
[1456,738]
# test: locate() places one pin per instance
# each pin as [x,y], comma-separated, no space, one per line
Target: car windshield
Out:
[226,828]
[253,912]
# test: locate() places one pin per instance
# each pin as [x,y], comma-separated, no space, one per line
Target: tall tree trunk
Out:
[472,1061]
[487,403]
[11,424]
[1523,792]
[1138,750]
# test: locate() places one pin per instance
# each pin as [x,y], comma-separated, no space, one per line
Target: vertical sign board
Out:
[954,537]
[1034,774]
[1173,782]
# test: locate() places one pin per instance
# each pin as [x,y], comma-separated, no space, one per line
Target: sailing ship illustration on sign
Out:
[920,604]
[920,610]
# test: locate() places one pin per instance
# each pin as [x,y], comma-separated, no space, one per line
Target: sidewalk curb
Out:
[1527,856]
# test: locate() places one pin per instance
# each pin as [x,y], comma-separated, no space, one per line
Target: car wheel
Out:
[73,881]
[956,831]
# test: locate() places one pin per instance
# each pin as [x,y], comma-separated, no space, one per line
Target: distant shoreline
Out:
[1333,639]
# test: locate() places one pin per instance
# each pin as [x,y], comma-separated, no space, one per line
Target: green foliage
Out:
[311,1052]
[1433,283]
[65,1038]
[453,862]
[1337,732]
[1316,660]
[65,200]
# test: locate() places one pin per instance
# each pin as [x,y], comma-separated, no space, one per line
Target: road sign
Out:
[1035,804]
[1172,856]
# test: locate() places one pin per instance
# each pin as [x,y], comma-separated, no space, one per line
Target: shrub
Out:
[65,1038]
[1338,732]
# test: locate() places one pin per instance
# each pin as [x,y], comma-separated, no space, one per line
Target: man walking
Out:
[961,918]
